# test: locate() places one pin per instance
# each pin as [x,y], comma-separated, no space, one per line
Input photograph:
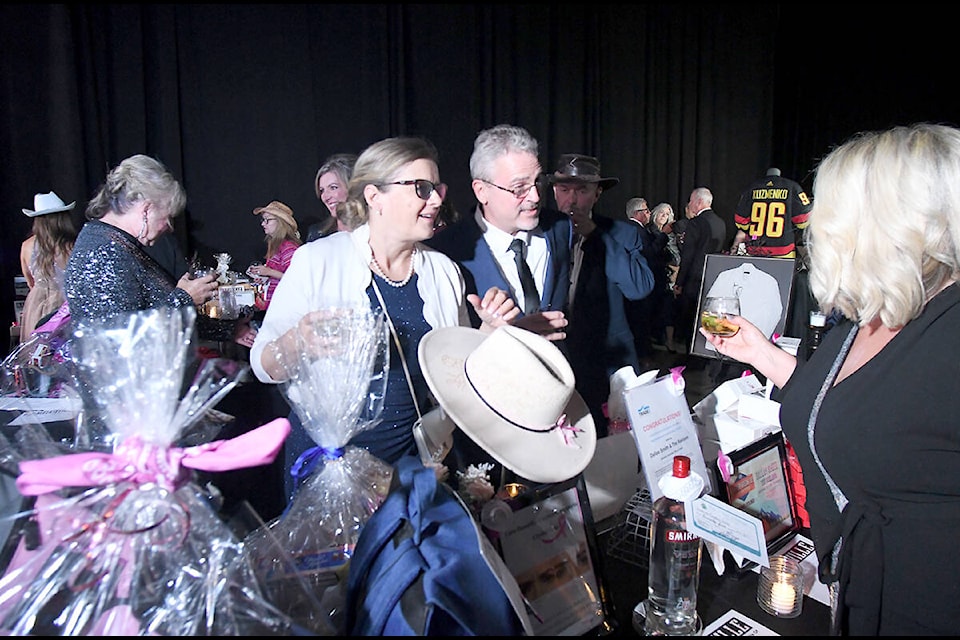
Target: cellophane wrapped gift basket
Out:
[122,540]
[337,381]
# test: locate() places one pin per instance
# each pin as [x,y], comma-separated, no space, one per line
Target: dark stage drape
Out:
[243,102]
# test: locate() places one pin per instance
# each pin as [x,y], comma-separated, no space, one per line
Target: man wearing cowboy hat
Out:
[607,267]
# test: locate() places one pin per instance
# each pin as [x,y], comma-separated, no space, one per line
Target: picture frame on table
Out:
[763,285]
[548,541]
[758,483]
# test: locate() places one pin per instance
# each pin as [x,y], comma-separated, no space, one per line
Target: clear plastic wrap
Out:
[337,384]
[124,542]
[37,382]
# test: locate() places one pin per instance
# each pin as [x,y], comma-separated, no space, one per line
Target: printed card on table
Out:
[663,428]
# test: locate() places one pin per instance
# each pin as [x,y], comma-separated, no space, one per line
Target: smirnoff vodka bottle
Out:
[671,609]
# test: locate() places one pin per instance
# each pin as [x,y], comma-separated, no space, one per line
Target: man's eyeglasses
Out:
[424,188]
[520,192]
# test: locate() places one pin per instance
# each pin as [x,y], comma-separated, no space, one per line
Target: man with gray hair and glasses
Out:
[506,242]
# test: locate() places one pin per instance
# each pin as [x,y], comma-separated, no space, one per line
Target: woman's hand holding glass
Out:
[201,289]
[716,313]
[750,346]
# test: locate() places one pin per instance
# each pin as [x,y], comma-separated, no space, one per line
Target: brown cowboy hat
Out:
[574,167]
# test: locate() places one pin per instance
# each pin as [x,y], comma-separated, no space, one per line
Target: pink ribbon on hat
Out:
[567,430]
[142,462]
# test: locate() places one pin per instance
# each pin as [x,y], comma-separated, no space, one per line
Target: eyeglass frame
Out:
[440,188]
[540,183]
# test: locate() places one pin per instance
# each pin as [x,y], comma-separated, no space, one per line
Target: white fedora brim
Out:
[539,456]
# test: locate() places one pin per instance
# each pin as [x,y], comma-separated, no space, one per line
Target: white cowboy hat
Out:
[47,203]
[511,391]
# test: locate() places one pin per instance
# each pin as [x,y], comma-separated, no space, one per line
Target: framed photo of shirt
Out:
[764,287]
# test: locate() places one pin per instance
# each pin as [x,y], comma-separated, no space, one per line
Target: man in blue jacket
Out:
[607,267]
[507,183]
[506,241]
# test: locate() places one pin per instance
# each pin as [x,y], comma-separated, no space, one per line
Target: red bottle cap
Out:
[681,466]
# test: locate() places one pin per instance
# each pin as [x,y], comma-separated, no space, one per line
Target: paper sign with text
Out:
[729,527]
[663,428]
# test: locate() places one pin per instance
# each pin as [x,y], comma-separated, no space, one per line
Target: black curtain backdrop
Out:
[243,102]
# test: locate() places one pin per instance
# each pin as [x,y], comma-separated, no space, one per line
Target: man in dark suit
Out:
[507,183]
[607,267]
[642,314]
[705,232]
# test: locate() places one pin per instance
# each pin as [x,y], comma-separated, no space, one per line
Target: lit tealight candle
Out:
[512,490]
[780,588]
[782,597]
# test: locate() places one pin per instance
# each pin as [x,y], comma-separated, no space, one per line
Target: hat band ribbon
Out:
[566,429]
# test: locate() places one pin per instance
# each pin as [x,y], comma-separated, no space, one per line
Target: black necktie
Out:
[531,299]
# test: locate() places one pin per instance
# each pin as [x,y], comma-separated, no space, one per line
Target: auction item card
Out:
[663,428]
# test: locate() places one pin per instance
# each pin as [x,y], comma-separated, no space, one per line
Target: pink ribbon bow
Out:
[679,384]
[143,462]
[567,430]
[562,527]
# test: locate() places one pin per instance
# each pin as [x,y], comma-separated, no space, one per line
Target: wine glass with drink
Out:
[715,317]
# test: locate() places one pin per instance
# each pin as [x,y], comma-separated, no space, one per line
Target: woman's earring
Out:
[143,230]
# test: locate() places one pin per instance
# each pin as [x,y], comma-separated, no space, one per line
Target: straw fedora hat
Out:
[511,391]
[279,210]
[44,203]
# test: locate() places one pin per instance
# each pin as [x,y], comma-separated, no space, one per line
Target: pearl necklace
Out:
[380,272]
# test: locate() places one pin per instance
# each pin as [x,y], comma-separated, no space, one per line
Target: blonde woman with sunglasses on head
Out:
[394,204]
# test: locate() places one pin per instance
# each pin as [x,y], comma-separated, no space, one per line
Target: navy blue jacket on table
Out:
[599,338]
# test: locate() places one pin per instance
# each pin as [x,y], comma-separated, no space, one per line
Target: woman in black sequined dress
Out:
[109,272]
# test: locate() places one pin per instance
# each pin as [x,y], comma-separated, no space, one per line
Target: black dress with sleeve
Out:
[889,435]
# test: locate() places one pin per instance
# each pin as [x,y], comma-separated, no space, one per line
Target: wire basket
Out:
[629,539]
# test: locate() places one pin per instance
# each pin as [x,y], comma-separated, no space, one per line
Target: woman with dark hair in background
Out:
[43,259]
[330,185]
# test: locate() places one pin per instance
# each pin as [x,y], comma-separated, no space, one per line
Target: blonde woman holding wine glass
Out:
[872,415]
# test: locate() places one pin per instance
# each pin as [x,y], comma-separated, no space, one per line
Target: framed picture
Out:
[759,484]
[548,542]
[764,287]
